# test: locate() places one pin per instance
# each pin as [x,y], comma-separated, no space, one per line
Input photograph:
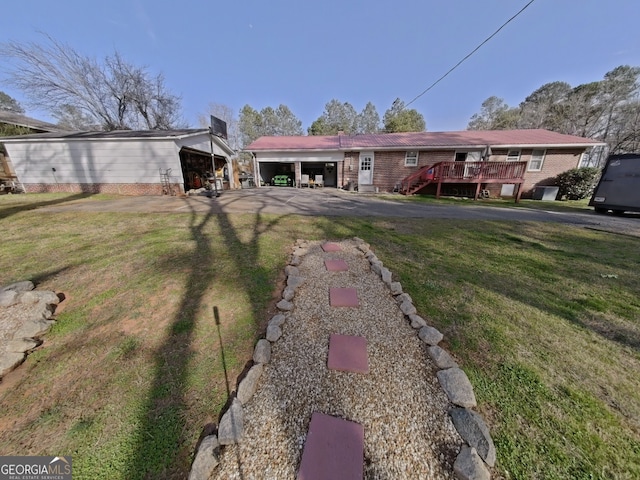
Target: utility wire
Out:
[471,53]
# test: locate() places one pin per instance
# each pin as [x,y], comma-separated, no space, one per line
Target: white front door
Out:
[365,172]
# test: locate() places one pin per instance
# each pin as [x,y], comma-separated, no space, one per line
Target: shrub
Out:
[578,183]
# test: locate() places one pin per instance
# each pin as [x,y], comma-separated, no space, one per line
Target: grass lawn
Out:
[544,318]
[558,206]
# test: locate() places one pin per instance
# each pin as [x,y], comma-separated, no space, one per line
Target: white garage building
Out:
[127,162]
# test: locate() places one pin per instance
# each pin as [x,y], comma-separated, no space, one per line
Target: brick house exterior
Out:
[546,153]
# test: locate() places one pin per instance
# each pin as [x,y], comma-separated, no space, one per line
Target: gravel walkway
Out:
[407,432]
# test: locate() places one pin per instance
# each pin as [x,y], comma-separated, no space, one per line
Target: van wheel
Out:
[618,212]
[600,210]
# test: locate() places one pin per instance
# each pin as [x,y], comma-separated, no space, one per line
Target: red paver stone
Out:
[336,265]
[343,297]
[334,450]
[331,247]
[348,354]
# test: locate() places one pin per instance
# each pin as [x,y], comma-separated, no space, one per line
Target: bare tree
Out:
[225,113]
[113,93]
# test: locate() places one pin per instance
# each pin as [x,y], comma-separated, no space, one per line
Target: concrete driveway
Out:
[334,202]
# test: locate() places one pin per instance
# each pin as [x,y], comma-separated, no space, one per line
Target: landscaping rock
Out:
[376,268]
[21,345]
[417,321]
[262,352]
[469,466]
[441,358]
[274,332]
[430,335]
[457,386]
[8,298]
[386,275]
[35,296]
[369,255]
[9,361]
[277,320]
[300,252]
[295,261]
[231,426]
[206,459]
[25,286]
[284,305]
[294,282]
[288,293]
[364,247]
[249,384]
[33,328]
[291,271]
[404,297]
[408,308]
[475,432]
[396,288]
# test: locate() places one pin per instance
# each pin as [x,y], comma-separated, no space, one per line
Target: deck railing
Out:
[465,172]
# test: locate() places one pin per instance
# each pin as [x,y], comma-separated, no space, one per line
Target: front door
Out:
[365,172]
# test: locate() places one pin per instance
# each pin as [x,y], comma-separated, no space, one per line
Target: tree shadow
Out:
[26,207]
[159,439]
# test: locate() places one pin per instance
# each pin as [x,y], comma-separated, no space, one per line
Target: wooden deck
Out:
[477,173]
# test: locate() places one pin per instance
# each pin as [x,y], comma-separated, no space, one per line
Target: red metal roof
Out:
[465,138]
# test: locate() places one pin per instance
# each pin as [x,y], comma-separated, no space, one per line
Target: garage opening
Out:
[197,169]
[328,171]
[277,173]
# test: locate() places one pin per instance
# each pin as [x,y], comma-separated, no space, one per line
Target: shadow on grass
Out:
[6,212]
[161,448]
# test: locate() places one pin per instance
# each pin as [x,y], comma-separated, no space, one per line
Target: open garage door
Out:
[277,172]
[328,171]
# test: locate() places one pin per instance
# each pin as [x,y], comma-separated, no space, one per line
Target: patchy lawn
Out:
[544,318]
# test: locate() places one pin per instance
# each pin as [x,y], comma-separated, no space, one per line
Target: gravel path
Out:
[400,403]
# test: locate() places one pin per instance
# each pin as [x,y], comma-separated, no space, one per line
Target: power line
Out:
[471,53]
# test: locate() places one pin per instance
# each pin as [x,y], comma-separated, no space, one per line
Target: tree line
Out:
[607,110]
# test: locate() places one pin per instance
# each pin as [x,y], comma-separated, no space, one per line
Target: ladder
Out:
[167,189]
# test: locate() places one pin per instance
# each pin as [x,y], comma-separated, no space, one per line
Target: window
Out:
[513,156]
[411,159]
[537,159]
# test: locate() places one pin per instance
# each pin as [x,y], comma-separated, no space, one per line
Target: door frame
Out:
[363,156]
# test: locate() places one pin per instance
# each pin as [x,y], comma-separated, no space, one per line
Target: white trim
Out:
[517,159]
[414,158]
[539,169]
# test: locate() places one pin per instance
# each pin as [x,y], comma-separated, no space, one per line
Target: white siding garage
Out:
[125,162]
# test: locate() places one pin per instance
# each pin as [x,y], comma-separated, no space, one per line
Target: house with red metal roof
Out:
[464,163]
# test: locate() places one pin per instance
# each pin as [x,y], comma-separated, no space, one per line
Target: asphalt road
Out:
[333,202]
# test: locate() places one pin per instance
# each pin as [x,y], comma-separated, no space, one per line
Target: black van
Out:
[619,187]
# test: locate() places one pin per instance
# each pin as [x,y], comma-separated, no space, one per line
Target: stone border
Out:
[479,450]
[35,311]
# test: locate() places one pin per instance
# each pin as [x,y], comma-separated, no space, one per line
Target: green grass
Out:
[544,319]
[559,206]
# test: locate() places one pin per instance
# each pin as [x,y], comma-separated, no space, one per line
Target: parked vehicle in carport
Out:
[282,181]
[619,187]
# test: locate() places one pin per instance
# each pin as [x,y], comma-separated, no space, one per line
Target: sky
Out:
[303,54]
